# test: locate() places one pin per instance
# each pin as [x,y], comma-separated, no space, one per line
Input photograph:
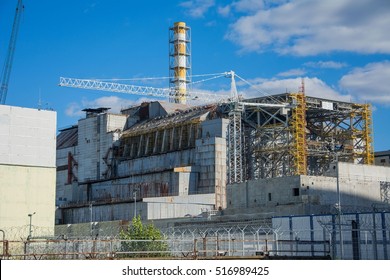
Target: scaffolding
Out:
[235,145]
[298,127]
[279,142]
[367,155]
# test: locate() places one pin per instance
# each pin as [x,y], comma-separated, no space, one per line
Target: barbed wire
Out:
[204,244]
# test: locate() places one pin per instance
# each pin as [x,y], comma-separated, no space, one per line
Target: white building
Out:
[27,171]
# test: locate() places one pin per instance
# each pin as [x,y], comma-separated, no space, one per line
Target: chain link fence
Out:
[353,236]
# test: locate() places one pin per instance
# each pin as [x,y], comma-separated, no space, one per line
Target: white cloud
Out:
[369,83]
[292,73]
[307,27]
[197,8]
[74,110]
[224,11]
[242,6]
[113,102]
[313,87]
[326,64]
[248,6]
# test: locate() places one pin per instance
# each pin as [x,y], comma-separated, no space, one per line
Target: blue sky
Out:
[340,47]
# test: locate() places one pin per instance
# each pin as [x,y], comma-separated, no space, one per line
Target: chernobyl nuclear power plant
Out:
[287,175]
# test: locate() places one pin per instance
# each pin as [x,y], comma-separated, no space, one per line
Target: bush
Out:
[145,240]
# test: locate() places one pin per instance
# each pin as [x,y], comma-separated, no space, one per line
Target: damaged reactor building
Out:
[165,160]
[279,154]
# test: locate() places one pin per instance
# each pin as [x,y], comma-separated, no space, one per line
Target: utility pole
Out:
[338,205]
[90,217]
[30,230]
[135,203]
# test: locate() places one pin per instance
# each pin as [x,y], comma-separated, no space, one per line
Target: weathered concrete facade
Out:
[153,154]
[382,158]
[160,149]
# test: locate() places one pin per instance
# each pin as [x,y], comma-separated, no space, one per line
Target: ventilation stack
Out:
[179,61]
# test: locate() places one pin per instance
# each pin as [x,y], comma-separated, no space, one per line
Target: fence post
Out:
[334,239]
[355,240]
[195,252]
[384,236]
[204,247]
[374,238]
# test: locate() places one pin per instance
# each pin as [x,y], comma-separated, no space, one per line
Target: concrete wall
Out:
[362,187]
[178,206]
[198,170]
[382,158]
[363,184]
[27,168]
[145,185]
[28,136]
[25,190]
[96,136]
[215,128]
[157,163]
[153,208]
[103,212]
[64,190]
[266,192]
[210,157]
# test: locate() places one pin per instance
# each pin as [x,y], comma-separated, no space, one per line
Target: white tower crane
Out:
[92,84]
[114,87]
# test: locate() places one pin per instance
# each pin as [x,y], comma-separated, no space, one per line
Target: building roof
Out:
[193,114]
[171,108]
[382,153]
[67,137]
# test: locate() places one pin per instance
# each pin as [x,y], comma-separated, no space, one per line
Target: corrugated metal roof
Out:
[67,137]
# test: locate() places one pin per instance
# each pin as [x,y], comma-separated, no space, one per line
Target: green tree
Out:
[144,240]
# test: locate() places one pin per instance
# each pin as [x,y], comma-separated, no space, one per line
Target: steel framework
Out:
[299,140]
[235,169]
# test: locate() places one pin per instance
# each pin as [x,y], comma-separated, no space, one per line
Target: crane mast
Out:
[10,53]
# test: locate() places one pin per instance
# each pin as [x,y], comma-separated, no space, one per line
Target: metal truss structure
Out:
[235,170]
[346,125]
[272,136]
[385,191]
[298,139]
[113,87]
